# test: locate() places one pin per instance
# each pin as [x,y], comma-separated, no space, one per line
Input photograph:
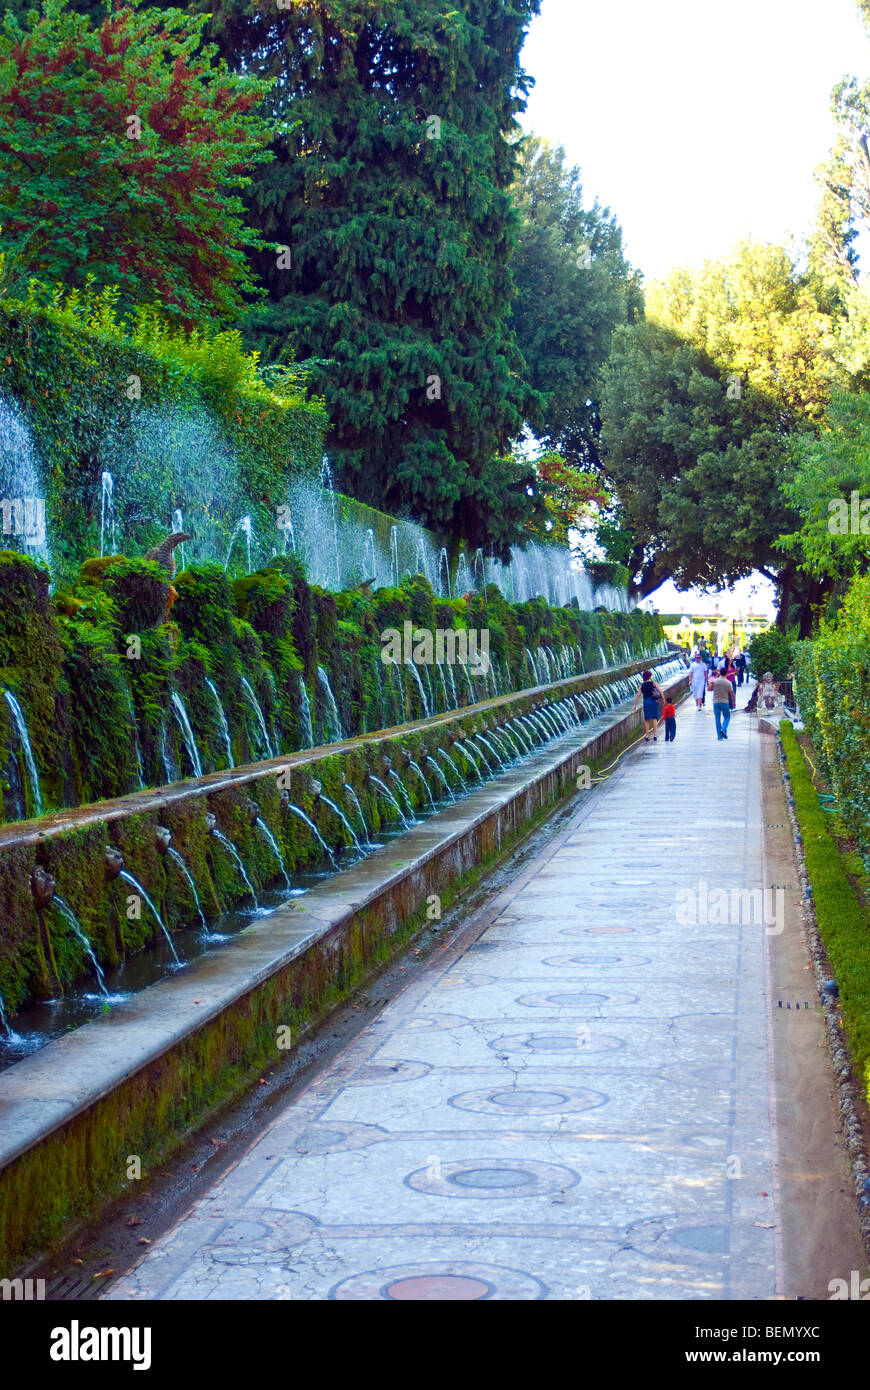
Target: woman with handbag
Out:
[653,701]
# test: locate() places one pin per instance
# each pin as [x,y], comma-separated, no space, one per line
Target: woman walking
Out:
[653,699]
[698,679]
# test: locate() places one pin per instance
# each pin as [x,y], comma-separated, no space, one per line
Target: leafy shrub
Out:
[771,651]
[843,921]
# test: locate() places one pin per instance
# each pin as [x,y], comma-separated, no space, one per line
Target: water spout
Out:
[419,771]
[359,810]
[212,827]
[107,510]
[274,846]
[334,732]
[243,525]
[137,887]
[258,715]
[384,789]
[222,722]
[24,738]
[403,793]
[75,927]
[336,810]
[186,732]
[297,811]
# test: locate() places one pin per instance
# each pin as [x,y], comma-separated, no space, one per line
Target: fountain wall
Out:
[140,1083]
[124,680]
[39,958]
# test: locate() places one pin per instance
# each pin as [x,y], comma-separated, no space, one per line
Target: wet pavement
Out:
[571,1100]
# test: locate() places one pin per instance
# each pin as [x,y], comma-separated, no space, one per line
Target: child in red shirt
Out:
[669,715]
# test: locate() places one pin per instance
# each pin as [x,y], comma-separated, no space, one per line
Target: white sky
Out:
[696,121]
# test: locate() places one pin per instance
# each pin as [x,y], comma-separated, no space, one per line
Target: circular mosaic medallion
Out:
[609,931]
[377,1073]
[425,1023]
[489,1178]
[452,1281]
[583,1039]
[590,962]
[580,1000]
[555,1100]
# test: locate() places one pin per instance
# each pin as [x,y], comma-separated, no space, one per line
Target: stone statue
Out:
[164,553]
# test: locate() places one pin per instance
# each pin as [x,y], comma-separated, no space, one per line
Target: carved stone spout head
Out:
[114,862]
[41,886]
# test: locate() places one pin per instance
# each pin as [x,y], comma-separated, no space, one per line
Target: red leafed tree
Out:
[123,147]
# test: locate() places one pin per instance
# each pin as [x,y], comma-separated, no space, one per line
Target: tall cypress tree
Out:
[390,189]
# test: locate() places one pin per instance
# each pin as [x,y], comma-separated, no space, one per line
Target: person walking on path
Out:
[740,663]
[669,715]
[653,699]
[698,680]
[723,703]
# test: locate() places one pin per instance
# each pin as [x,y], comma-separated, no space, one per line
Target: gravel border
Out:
[847,1088]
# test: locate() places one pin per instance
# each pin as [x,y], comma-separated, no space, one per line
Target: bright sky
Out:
[697,122]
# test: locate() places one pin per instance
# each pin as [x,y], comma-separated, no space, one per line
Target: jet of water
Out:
[359,810]
[186,732]
[237,860]
[334,733]
[258,714]
[382,787]
[274,846]
[297,811]
[24,737]
[177,859]
[222,722]
[77,930]
[137,887]
[345,822]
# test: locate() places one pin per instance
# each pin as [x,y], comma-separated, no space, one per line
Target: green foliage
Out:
[772,651]
[833,683]
[843,919]
[147,207]
[696,474]
[393,196]
[828,467]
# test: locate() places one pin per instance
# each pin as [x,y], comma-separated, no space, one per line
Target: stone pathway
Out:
[571,1101]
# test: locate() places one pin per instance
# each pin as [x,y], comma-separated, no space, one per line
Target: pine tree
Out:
[390,192]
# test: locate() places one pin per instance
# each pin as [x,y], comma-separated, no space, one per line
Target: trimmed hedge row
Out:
[832,675]
[843,920]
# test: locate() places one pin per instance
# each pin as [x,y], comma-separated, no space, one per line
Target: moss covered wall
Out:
[38,955]
[94,668]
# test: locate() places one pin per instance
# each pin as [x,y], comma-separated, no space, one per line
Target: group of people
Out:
[713,674]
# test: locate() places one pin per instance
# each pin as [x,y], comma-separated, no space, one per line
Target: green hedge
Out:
[94,669]
[832,675]
[843,920]
[205,419]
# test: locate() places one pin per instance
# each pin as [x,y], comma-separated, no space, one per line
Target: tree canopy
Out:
[391,196]
[699,404]
[120,146]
